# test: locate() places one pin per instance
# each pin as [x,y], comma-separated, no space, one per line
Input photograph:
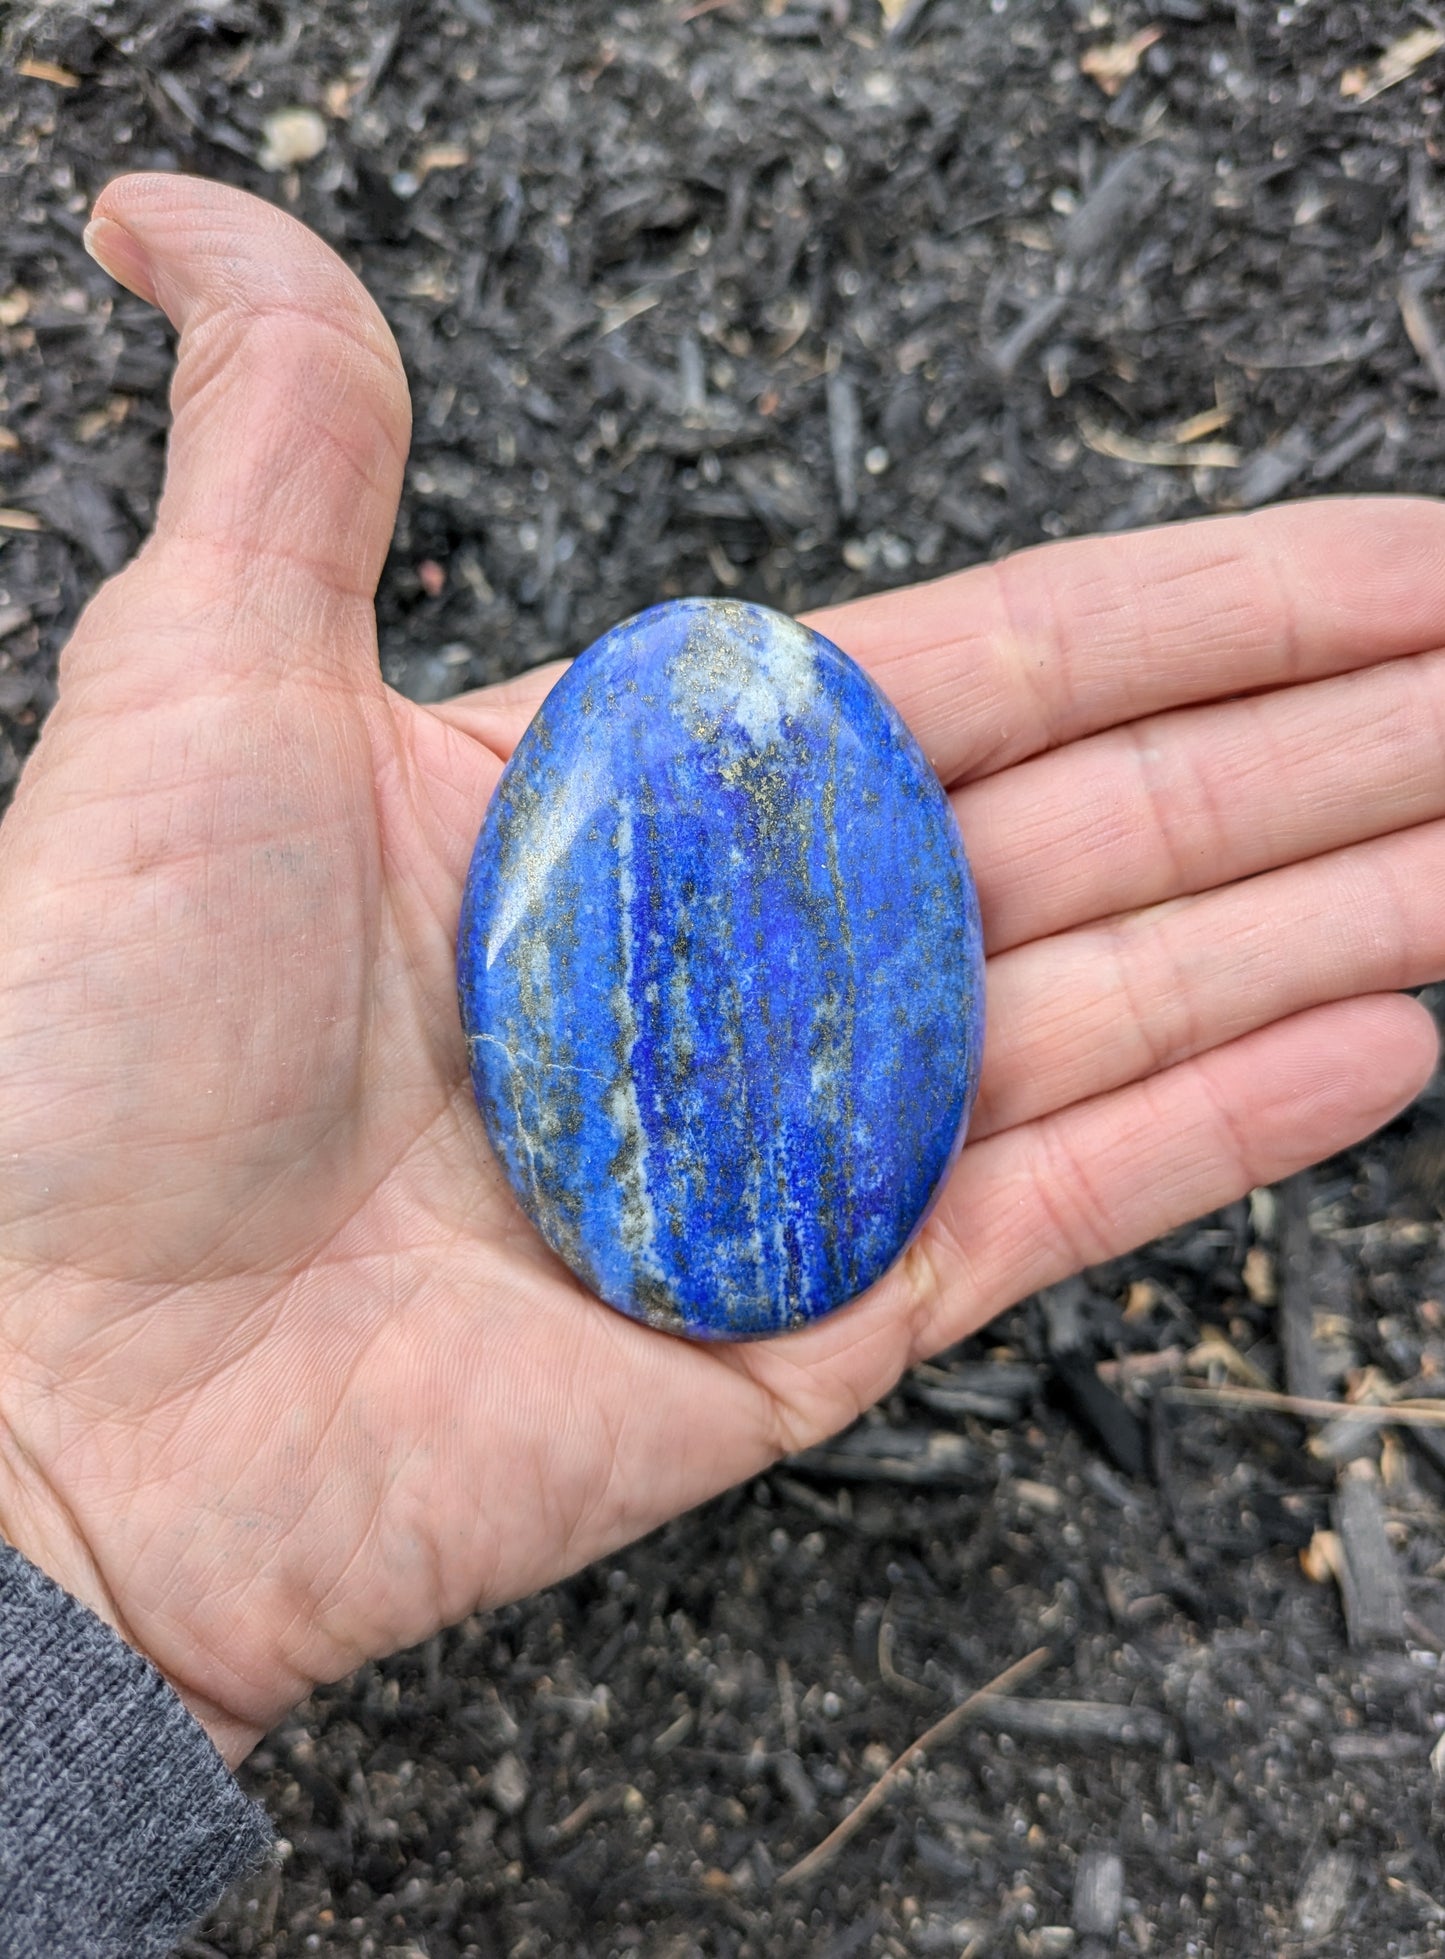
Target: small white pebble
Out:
[1038,1496]
[508,1785]
[292,136]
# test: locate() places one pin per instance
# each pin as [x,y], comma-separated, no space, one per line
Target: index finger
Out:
[1003,661]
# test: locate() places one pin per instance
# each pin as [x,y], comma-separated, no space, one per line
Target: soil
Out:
[797,299]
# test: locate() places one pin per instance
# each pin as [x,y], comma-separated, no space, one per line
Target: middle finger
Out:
[1185,801]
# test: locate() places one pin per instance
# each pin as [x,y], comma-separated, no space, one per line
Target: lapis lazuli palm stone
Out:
[721,973]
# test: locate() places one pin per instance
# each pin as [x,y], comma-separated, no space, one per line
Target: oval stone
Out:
[721,973]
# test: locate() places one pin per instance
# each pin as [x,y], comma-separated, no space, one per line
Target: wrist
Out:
[35,1521]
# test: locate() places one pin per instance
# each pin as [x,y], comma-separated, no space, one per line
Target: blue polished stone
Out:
[721,973]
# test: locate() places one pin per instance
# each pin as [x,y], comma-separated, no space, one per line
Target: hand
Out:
[286,1380]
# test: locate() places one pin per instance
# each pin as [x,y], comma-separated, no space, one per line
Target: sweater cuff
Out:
[120,1825]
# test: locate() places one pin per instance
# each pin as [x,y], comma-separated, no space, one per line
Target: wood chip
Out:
[1142,1367]
[1346,1440]
[902,16]
[1420,327]
[1258,1275]
[792,1779]
[1339,455]
[1208,422]
[1395,1747]
[844,430]
[99,420]
[1396,64]
[1158,455]
[441,156]
[675,1732]
[1269,472]
[1118,203]
[1098,1894]
[1038,320]
[881,1454]
[1112,64]
[1102,1412]
[1394,1466]
[631,308]
[47,71]
[1370,1583]
[996,1391]
[1304,1373]
[597,1802]
[1322,1559]
[1324,1894]
[1038,1496]
[1082,1724]
[1141,1299]
[1217,1349]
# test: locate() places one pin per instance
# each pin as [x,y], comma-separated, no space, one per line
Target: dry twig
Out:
[853,1822]
[1402,1414]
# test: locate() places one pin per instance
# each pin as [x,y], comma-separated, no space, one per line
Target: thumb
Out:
[290,409]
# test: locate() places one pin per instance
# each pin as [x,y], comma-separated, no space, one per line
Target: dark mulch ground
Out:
[756,297]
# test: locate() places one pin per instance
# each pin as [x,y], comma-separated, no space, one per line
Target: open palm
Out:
[286,1379]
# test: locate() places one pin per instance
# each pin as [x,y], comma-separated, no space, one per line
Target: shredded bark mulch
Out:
[796,299]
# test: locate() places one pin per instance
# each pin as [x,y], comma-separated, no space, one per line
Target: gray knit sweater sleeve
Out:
[120,1825]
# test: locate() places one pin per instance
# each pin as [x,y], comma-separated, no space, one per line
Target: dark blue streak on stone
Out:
[721,973]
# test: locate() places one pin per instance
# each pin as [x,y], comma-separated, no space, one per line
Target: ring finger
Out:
[1093,1009]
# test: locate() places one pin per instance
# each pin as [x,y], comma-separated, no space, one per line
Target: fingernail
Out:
[120,254]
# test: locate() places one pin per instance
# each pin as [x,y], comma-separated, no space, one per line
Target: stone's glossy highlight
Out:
[721,973]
